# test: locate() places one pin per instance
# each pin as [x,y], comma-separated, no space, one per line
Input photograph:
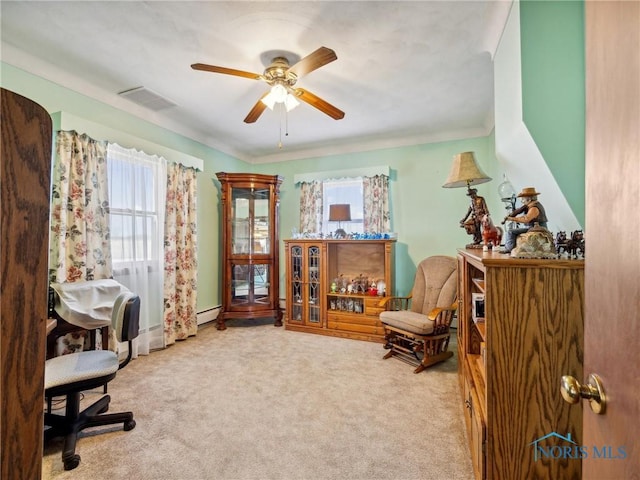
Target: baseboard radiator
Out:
[209,315]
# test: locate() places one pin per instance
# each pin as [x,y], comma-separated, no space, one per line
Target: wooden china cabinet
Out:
[317,299]
[249,246]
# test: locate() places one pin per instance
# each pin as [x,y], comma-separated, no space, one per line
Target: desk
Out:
[58,327]
[51,324]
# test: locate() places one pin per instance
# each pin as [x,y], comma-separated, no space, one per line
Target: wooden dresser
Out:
[510,364]
[314,264]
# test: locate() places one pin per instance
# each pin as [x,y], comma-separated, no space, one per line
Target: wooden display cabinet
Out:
[314,264]
[512,359]
[250,284]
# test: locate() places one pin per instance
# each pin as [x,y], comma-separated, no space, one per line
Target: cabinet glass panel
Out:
[313,284]
[250,220]
[240,206]
[260,232]
[250,284]
[261,285]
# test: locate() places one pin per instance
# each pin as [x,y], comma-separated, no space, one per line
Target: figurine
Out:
[537,242]
[477,210]
[530,213]
[562,245]
[491,234]
[575,246]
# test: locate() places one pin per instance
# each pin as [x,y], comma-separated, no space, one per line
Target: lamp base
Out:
[340,233]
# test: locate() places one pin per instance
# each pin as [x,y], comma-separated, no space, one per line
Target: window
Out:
[134,212]
[346,191]
[137,189]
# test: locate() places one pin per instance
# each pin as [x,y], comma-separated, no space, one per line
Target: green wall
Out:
[424,215]
[553,90]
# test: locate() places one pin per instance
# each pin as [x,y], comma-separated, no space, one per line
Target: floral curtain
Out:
[311,207]
[375,190]
[180,255]
[79,247]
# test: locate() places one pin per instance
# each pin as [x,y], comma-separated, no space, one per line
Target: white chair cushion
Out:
[76,367]
[407,320]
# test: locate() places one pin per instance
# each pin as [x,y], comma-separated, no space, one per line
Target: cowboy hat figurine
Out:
[531,213]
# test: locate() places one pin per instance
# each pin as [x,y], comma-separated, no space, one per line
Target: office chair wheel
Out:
[129,425]
[72,462]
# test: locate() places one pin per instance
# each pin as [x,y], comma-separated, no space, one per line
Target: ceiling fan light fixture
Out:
[269,100]
[279,94]
[290,102]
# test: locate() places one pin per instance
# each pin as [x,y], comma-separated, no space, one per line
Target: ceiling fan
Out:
[282,77]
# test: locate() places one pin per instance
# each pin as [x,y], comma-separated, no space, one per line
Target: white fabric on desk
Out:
[87,304]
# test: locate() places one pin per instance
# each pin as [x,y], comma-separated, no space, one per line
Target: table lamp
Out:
[464,173]
[340,212]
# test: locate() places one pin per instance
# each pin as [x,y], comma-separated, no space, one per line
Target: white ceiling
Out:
[407,72]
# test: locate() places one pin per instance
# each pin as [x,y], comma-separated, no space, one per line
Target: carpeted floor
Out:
[259,402]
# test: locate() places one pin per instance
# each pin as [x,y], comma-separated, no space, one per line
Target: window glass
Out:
[343,191]
[133,212]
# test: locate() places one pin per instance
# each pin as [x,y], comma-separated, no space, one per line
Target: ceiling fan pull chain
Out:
[280,125]
[286,122]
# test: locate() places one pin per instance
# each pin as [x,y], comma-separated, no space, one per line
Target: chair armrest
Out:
[433,314]
[395,303]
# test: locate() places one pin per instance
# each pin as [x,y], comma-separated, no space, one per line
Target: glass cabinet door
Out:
[261,225]
[249,221]
[250,284]
[313,284]
[296,283]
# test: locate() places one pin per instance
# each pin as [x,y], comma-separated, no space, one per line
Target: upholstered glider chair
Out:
[69,375]
[417,327]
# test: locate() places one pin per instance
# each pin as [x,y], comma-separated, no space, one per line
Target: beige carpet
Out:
[259,402]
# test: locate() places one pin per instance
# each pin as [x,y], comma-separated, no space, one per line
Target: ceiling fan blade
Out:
[320,104]
[313,61]
[226,71]
[256,111]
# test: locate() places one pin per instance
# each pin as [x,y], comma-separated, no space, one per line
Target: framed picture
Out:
[477,307]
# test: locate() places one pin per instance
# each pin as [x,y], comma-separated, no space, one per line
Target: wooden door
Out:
[24,185]
[612,266]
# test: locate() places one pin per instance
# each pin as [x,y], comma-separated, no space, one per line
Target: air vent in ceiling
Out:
[147,98]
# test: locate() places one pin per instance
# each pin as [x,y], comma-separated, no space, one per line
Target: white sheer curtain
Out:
[137,186]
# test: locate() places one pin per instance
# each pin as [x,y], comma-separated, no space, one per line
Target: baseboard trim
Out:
[207,316]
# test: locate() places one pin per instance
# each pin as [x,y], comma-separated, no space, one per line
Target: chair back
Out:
[125,320]
[435,285]
[125,316]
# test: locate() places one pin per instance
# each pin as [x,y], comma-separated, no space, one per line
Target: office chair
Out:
[69,375]
[417,327]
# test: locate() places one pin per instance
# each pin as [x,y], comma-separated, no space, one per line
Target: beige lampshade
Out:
[340,212]
[465,171]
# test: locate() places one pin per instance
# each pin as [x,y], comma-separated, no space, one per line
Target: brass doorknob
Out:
[572,391]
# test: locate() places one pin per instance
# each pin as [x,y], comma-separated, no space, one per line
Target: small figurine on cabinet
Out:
[491,234]
[530,213]
[562,246]
[575,246]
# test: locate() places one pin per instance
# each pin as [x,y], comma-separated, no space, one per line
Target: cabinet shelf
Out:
[482,329]
[478,282]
